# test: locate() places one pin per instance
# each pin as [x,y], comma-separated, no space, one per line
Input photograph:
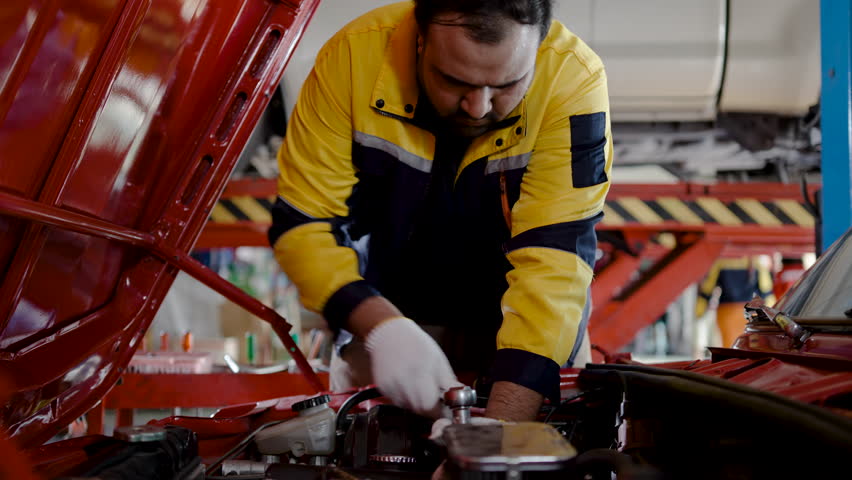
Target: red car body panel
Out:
[128,115]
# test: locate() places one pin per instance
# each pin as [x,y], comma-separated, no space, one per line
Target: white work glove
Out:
[408,366]
[351,369]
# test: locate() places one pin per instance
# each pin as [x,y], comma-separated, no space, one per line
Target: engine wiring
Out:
[569,400]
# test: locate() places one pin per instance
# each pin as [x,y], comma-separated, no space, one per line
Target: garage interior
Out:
[148,331]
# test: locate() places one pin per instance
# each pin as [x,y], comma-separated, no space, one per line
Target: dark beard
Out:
[466,131]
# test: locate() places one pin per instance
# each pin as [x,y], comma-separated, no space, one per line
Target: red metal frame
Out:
[95,419]
[243,233]
[614,324]
[206,390]
[615,320]
[212,390]
[614,276]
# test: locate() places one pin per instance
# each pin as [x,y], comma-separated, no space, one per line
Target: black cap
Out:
[311,402]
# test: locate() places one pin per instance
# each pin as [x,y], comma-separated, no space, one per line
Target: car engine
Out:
[614,421]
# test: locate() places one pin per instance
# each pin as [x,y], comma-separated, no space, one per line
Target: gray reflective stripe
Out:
[295,207]
[508,163]
[406,157]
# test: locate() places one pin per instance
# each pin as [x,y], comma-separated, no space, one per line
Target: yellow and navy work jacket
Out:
[492,235]
[739,280]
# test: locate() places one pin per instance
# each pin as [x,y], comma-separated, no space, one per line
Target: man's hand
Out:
[513,403]
[408,366]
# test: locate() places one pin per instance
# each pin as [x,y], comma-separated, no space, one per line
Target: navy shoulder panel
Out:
[588,140]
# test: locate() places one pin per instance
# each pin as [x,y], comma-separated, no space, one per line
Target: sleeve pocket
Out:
[588,140]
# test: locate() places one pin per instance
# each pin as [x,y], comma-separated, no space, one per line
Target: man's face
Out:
[473,85]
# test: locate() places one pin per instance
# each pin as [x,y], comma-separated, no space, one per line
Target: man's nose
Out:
[477,103]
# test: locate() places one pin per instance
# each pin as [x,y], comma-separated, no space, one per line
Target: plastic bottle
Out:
[311,433]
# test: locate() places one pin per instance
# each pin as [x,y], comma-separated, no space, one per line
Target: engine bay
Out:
[631,421]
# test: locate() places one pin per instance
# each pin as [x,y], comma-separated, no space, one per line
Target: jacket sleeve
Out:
[553,244]
[316,178]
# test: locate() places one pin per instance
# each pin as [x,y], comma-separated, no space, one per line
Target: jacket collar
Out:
[396,90]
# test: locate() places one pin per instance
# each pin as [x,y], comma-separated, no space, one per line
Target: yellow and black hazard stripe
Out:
[617,211]
[243,209]
[707,210]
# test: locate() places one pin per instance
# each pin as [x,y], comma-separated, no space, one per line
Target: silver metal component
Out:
[461,415]
[508,447]
[319,461]
[141,433]
[792,329]
[270,459]
[392,459]
[757,310]
[707,152]
[460,399]
[243,467]
[238,447]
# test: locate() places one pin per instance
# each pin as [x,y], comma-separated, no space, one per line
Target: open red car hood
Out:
[120,122]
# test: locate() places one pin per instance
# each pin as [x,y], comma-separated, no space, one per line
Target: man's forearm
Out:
[513,403]
[369,314]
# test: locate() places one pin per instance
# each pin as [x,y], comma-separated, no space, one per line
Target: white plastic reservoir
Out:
[311,433]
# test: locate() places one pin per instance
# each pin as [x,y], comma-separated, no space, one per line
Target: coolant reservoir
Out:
[311,433]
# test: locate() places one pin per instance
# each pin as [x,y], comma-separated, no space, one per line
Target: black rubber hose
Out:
[567,402]
[810,418]
[350,402]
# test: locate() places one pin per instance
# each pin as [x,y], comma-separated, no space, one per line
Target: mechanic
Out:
[445,164]
[739,280]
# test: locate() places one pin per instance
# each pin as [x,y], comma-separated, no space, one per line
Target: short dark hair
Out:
[485,19]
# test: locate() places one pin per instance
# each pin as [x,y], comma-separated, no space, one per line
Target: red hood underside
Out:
[128,115]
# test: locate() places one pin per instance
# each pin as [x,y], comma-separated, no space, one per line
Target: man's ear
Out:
[420,43]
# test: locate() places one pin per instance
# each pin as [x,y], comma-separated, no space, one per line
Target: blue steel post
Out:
[836,31]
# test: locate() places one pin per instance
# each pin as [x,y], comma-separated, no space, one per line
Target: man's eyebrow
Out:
[466,84]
